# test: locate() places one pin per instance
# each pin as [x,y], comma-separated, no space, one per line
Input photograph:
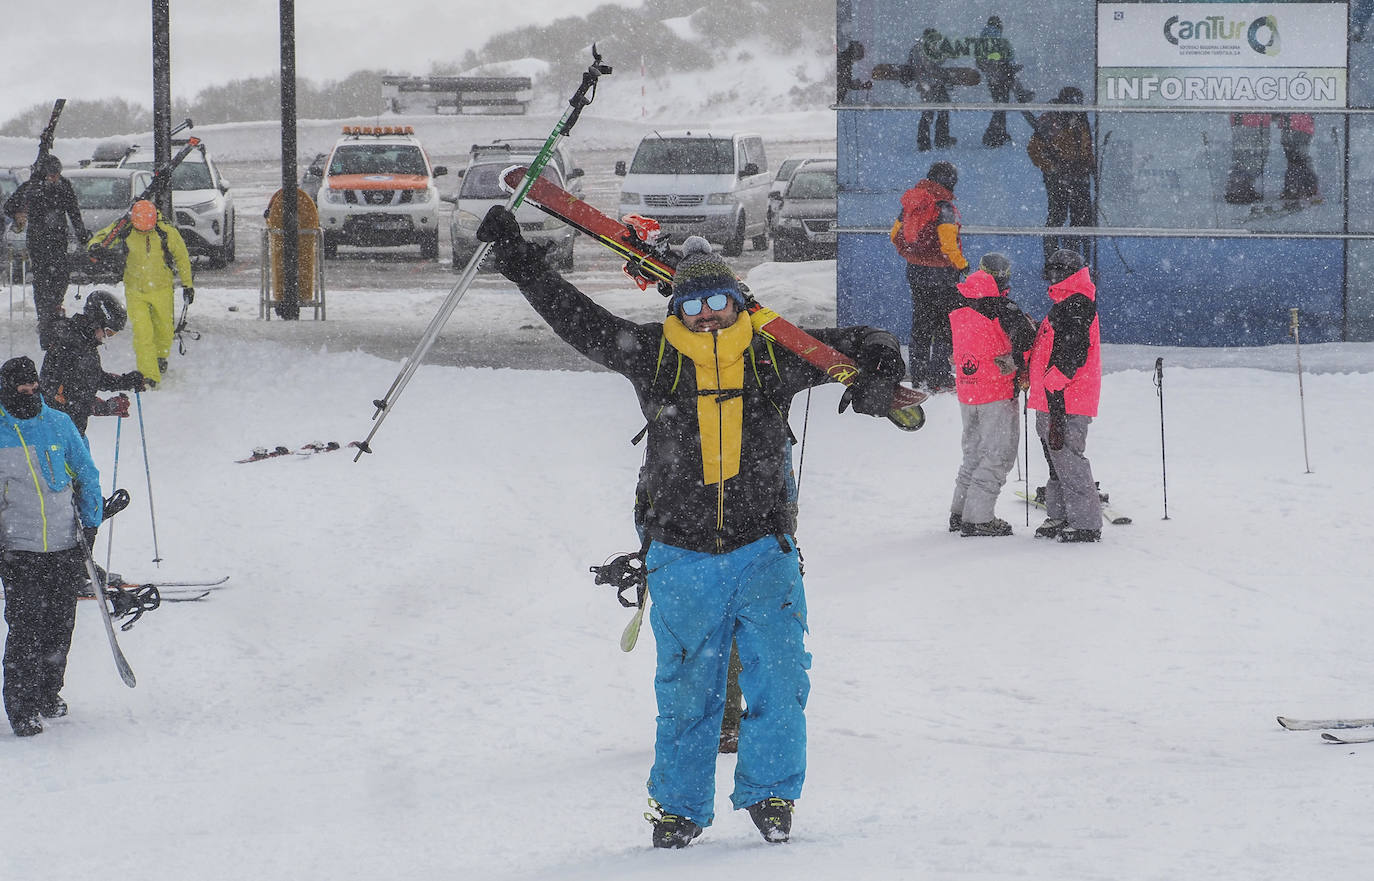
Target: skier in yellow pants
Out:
[153,251]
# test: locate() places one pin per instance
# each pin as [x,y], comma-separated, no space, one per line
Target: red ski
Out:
[648,260]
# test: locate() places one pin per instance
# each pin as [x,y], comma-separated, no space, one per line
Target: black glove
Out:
[188,295]
[880,367]
[133,381]
[516,259]
[1054,438]
[90,533]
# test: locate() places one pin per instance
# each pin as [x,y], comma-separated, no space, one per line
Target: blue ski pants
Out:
[700,602]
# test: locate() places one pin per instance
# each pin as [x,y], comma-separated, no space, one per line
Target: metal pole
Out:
[1163,461]
[1302,399]
[114,485]
[1025,428]
[138,397]
[290,306]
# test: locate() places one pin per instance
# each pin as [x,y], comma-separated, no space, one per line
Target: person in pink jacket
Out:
[991,337]
[1065,384]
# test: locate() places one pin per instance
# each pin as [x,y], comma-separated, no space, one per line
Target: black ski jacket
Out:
[49,207]
[72,373]
[675,504]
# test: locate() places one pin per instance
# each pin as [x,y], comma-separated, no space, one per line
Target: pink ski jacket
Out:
[1067,355]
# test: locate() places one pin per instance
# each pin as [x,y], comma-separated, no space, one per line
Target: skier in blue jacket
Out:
[48,483]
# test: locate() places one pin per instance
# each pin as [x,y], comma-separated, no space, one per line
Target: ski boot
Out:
[773,817]
[671,830]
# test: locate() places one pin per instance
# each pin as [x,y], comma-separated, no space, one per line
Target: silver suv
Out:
[202,202]
[482,189]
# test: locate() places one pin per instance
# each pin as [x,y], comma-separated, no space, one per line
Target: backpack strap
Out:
[654,386]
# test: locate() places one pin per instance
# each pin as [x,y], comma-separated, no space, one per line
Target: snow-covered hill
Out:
[783,96]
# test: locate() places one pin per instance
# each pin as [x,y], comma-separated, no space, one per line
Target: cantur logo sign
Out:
[1261,34]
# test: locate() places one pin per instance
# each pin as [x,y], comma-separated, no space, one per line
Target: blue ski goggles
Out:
[717,300]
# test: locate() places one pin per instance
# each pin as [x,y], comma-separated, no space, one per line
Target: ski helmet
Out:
[1062,264]
[50,165]
[999,267]
[105,310]
[143,215]
[944,174]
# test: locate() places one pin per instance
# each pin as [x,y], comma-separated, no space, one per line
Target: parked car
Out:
[313,177]
[804,216]
[378,191]
[482,189]
[103,194]
[523,150]
[202,201]
[780,180]
[713,185]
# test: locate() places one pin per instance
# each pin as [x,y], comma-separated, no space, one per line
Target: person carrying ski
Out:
[1065,383]
[993,56]
[991,338]
[72,373]
[154,250]
[721,562]
[43,206]
[47,482]
[925,61]
[926,235]
[1062,148]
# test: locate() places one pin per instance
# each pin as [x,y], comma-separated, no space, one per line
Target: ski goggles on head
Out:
[717,300]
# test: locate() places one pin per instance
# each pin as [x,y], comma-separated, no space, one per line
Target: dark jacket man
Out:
[72,372]
[43,205]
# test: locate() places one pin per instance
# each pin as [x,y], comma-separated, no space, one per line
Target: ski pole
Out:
[1163,462]
[1302,400]
[1025,427]
[114,484]
[584,95]
[142,435]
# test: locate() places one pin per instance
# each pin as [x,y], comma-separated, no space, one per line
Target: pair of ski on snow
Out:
[1326,726]
[309,449]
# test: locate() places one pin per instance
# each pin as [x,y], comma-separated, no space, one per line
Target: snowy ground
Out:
[412,675]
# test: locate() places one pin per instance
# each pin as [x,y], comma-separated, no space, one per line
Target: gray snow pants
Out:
[1070,493]
[989,443]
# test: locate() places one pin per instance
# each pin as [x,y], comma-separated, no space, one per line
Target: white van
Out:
[700,183]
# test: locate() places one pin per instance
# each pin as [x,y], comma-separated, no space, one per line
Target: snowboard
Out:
[925,78]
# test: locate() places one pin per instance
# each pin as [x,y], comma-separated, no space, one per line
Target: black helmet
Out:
[1062,264]
[105,310]
[999,267]
[49,164]
[944,174]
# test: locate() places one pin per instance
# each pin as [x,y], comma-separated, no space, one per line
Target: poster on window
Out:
[1172,55]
